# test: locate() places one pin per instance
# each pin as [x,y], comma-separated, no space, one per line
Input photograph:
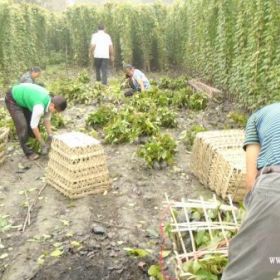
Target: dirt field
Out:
[129,214]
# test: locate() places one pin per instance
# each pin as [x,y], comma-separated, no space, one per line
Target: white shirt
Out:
[102,42]
[37,113]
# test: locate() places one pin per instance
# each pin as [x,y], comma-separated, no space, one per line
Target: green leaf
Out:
[138,252]
[56,253]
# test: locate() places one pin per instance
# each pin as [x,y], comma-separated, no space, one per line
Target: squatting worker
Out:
[27,103]
[255,251]
[31,75]
[137,80]
[101,48]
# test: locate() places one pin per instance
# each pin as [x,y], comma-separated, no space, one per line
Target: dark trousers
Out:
[21,118]
[101,65]
[132,90]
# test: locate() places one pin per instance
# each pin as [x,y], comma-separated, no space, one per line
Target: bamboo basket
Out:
[183,229]
[217,158]
[4,133]
[77,165]
[228,173]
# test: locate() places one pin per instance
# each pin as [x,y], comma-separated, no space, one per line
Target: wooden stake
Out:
[29,209]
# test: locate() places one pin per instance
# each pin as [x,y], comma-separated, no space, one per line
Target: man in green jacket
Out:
[27,104]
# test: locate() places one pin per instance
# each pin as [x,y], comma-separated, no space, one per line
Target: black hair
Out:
[127,66]
[35,69]
[59,102]
[101,26]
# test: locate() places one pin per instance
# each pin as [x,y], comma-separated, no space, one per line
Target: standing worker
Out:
[101,48]
[31,75]
[254,252]
[27,103]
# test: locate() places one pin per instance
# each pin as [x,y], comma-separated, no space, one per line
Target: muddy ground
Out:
[129,214]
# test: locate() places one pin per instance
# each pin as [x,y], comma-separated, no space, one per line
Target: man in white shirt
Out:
[101,48]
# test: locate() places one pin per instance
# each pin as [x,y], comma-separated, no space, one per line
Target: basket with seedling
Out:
[201,231]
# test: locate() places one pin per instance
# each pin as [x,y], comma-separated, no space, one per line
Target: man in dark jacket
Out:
[31,75]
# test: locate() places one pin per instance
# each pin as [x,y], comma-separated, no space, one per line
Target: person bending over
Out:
[255,250]
[137,80]
[31,75]
[27,103]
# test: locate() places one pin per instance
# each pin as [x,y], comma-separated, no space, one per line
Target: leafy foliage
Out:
[154,270]
[78,90]
[101,117]
[166,117]
[6,121]
[159,149]
[128,125]
[188,136]
[172,84]
[233,44]
[240,119]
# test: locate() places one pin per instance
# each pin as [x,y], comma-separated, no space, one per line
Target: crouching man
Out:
[27,104]
[31,75]
[136,80]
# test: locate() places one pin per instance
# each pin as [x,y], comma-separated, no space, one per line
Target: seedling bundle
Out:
[200,231]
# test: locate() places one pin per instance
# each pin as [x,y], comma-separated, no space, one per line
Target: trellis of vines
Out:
[233,44]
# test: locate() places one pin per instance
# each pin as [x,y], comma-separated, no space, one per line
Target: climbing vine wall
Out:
[233,44]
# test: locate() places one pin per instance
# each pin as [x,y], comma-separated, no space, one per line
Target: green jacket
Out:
[28,95]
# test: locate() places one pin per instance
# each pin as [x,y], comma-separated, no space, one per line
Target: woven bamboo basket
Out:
[228,174]
[4,133]
[218,161]
[77,165]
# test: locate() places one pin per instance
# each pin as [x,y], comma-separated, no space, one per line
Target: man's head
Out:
[128,70]
[58,104]
[101,27]
[35,72]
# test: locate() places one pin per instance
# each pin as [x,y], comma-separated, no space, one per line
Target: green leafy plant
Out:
[240,119]
[101,117]
[120,131]
[57,121]
[173,84]
[207,268]
[138,252]
[197,101]
[6,121]
[179,98]
[166,117]
[79,90]
[154,270]
[128,126]
[188,136]
[159,149]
